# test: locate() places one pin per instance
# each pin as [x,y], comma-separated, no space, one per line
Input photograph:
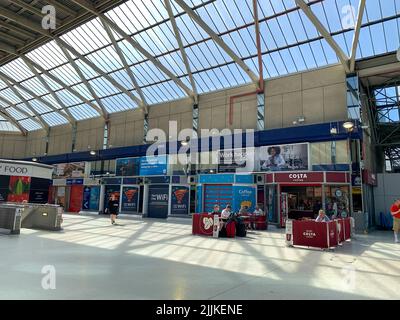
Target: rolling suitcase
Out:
[230,229]
[241,229]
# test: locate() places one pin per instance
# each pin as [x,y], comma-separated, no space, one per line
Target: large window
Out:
[329,153]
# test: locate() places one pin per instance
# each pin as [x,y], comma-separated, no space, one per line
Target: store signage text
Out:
[309,234]
[8,170]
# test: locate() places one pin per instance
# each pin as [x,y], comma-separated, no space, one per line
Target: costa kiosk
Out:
[300,195]
[24,181]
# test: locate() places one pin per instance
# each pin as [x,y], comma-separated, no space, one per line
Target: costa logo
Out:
[207,223]
[309,234]
[298,176]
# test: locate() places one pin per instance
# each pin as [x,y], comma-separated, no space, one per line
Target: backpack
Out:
[241,229]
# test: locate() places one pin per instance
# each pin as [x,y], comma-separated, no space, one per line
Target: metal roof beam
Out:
[23,21]
[11,39]
[28,7]
[59,6]
[88,6]
[62,84]
[218,40]
[121,56]
[84,80]
[7,48]
[5,114]
[11,83]
[48,88]
[62,43]
[321,29]
[181,47]
[27,104]
[18,30]
[361,10]
[14,122]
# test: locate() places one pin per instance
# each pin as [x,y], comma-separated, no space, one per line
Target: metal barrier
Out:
[10,218]
[31,216]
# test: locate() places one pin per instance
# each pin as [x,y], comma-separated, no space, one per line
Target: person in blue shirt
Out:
[322,217]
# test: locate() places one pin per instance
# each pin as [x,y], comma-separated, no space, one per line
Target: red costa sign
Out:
[300,177]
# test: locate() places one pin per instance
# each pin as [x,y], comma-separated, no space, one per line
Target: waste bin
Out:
[10,218]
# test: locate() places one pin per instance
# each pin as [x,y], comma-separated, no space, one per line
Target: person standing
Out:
[216,209]
[395,211]
[113,208]
[257,213]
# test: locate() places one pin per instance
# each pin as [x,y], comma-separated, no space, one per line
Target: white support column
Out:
[361,10]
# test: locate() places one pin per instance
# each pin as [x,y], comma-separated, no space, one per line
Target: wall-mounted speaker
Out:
[260,179]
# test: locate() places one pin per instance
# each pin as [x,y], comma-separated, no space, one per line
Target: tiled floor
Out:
[151,259]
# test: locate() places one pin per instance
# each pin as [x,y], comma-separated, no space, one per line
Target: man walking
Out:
[395,211]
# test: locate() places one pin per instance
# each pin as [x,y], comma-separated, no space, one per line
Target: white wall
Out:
[387,191]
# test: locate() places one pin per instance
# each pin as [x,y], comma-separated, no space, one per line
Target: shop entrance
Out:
[301,201]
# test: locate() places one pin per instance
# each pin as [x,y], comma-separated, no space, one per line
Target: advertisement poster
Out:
[4,188]
[232,160]
[38,196]
[130,199]
[94,198]
[293,157]
[39,190]
[127,167]
[19,189]
[153,166]
[180,200]
[356,180]
[158,201]
[61,196]
[86,198]
[69,170]
[244,196]
[75,199]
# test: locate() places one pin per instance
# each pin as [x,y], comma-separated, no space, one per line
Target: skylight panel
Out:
[117,103]
[17,70]
[48,55]
[67,74]
[49,98]
[7,126]
[39,106]
[106,59]
[36,86]
[102,87]
[30,124]
[54,119]
[83,111]
[9,95]
[67,98]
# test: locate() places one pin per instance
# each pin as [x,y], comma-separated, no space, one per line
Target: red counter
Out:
[322,235]
[344,229]
[202,224]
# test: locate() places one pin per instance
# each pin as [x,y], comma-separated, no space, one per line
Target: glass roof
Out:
[95,77]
